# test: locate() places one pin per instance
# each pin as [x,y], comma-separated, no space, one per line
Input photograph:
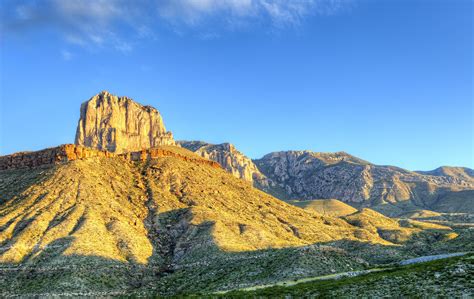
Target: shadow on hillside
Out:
[186,260]
[16,181]
[13,184]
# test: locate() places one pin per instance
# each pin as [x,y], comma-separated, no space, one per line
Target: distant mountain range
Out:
[307,175]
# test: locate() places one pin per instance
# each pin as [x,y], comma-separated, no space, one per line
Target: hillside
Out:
[421,214]
[390,229]
[442,278]
[161,221]
[327,207]
[455,202]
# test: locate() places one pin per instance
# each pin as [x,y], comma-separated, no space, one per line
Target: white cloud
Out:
[85,23]
[119,24]
[276,12]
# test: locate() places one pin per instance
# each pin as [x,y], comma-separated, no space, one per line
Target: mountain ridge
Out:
[304,175]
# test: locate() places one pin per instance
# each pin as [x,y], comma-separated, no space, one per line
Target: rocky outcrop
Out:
[118,124]
[62,153]
[71,152]
[230,159]
[308,175]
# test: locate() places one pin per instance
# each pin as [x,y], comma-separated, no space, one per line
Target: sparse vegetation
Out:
[168,226]
[442,278]
[327,207]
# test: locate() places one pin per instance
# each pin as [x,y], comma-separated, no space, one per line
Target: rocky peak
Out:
[118,124]
[462,173]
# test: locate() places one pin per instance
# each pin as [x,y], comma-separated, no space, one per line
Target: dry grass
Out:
[392,230]
[96,202]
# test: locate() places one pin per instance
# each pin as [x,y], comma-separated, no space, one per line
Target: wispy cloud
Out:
[119,24]
[279,13]
[86,23]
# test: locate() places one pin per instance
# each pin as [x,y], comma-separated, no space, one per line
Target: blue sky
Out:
[387,81]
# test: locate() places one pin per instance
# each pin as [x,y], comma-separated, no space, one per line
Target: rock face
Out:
[118,124]
[62,153]
[230,159]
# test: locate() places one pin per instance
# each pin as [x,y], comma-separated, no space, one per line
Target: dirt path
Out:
[427,258]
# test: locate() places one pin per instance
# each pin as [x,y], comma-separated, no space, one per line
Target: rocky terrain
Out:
[391,190]
[453,172]
[118,124]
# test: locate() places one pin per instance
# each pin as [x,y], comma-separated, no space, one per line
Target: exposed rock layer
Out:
[62,153]
[118,124]
[71,152]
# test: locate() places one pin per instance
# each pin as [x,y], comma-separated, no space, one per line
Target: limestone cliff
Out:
[118,124]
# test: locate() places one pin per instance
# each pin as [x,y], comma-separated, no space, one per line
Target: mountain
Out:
[118,124]
[460,173]
[130,218]
[306,175]
[231,160]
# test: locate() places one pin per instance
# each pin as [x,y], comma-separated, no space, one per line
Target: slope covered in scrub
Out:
[164,224]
